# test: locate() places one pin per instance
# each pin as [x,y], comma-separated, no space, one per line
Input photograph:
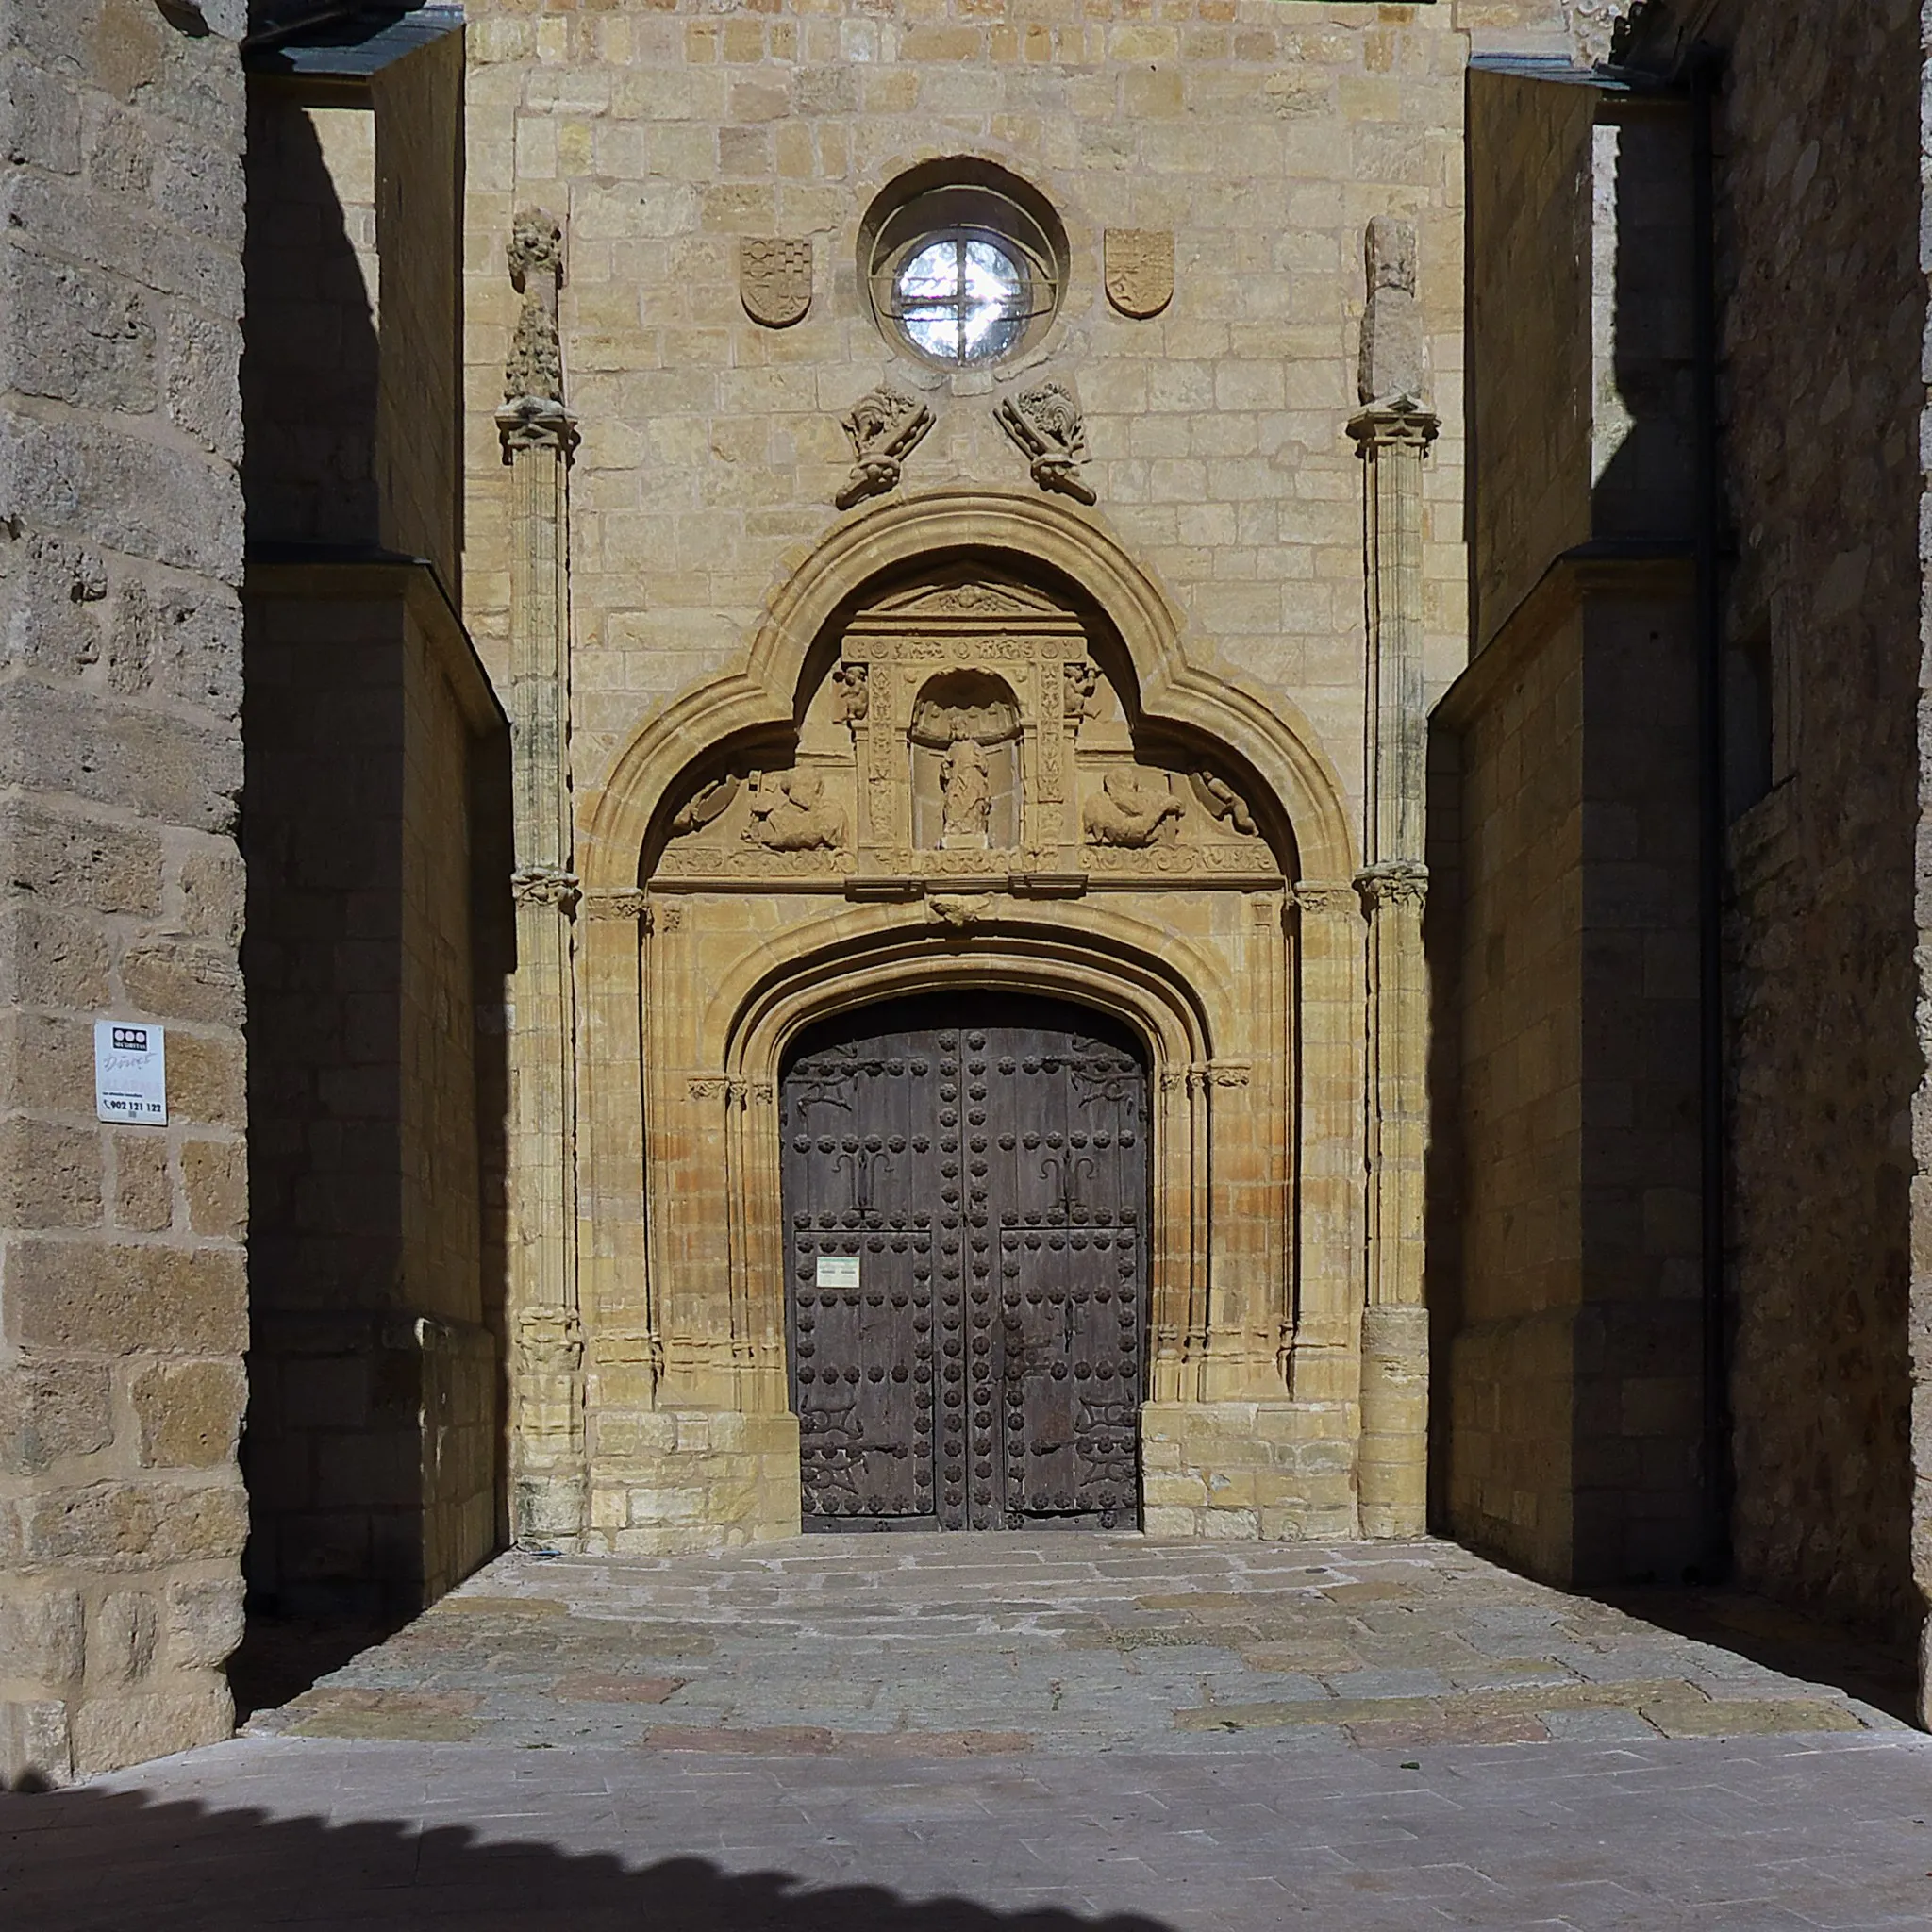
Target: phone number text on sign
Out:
[130,1072]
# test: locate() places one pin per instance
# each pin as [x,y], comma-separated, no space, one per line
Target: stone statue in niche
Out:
[1133,811]
[964,740]
[789,812]
[966,789]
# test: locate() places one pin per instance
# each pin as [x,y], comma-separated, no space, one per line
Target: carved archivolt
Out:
[1032,534]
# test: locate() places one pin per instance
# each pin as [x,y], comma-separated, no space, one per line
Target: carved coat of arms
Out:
[774,278]
[1138,270]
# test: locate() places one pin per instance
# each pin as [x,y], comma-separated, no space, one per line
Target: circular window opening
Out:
[963,262]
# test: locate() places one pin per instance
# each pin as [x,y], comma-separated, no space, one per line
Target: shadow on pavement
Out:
[282,1657]
[89,1860]
[1881,1675]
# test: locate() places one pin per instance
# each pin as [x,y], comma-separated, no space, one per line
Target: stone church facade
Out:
[998,767]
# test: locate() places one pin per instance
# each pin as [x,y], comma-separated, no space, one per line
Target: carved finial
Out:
[1046,425]
[536,248]
[533,414]
[884,428]
[1597,27]
[1391,353]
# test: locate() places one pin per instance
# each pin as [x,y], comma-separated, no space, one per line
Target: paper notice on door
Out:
[838,1271]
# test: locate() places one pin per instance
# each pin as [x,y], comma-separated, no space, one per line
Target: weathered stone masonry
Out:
[123,1315]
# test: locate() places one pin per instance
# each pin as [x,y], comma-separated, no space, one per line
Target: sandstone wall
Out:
[417,107]
[1264,137]
[123,1301]
[373,1425]
[1824,308]
[1565,928]
[372,1448]
[311,372]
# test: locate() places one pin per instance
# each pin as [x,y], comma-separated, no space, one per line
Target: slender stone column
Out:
[1393,432]
[548,1468]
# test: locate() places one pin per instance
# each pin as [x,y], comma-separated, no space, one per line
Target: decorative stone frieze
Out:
[1045,424]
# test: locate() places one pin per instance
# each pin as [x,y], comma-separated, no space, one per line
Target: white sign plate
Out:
[838,1271]
[130,1072]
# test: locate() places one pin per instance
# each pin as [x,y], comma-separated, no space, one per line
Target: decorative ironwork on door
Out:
[966,1191]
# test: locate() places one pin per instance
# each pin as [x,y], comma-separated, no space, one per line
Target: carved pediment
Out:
[967,597]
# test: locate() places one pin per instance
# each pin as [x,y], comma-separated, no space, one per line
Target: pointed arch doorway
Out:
[966,1189]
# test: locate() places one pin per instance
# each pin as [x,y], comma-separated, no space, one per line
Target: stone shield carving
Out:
[1139,264]
[774,278]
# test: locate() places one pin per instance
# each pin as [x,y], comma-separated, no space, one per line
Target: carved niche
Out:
[965,743]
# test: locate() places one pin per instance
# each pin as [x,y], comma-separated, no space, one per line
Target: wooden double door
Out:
[966,1209]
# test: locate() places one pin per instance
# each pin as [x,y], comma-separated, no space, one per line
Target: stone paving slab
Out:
[1071,1734]
[1073,1643]
[1819,1834]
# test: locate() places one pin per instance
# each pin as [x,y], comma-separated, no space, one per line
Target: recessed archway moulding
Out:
[969,748]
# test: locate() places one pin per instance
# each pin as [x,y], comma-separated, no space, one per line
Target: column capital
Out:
[1326,898]
[1394,423]
[536,422]
[1394,882]
[545,885]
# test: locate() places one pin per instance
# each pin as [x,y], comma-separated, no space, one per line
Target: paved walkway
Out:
[953,1734]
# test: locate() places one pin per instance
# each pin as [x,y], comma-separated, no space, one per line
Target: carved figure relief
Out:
[705,803]
[789,812]
[966,788]
[855,695]
[1392,351]
[774,278]
[1137,269]
[1133,809]
[884,428]
[1221,800]
[1083,699]
[1046,425]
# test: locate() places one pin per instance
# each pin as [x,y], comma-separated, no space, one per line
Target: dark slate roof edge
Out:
[353,41]
[1609,80]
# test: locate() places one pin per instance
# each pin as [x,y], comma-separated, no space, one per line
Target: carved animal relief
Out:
[774,278]
[884,428]
[1046,425]
[789,812]
[1133,809]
